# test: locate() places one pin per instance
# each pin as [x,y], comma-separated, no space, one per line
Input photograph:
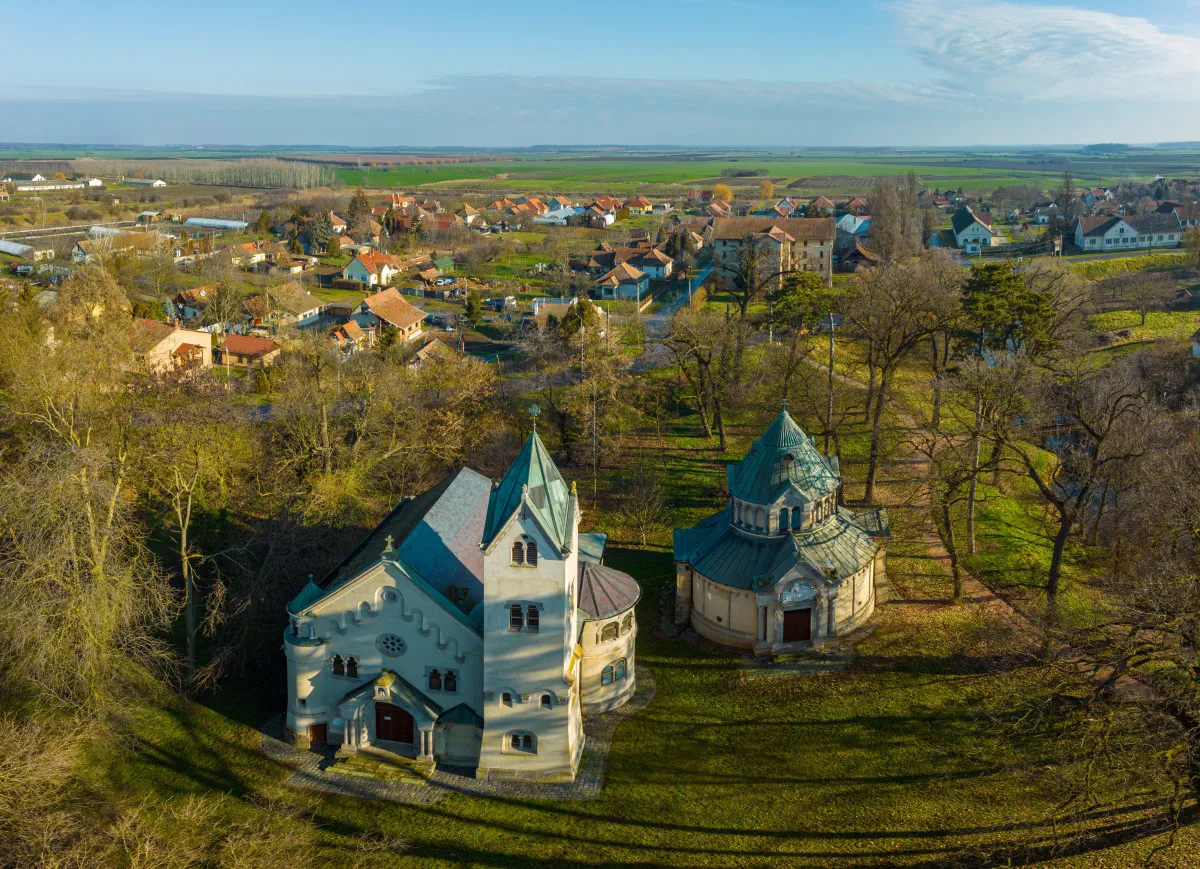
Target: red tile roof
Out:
[248,345]
[391,307]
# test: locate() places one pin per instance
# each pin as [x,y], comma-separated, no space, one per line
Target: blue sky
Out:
[688,72]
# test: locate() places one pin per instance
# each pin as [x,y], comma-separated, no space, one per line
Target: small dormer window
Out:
[787,461]
[518,552]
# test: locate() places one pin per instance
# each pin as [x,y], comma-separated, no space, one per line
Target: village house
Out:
[349,337]
[126,243]
[639,205]
[433,351]
[623,281]
[291,305]
[379,269]
[781,566]
[972,229]
[474,626]
[653,263]
[789,244]
[248,351]
[1136,232]
[389,308]
[164,348]
[190,304]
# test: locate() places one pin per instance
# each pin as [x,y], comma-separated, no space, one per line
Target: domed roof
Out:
[604,592]
[783,456]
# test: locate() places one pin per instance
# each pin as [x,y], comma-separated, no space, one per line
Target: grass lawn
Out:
[526,237]
[1159,324]
[899,761]
[330,294]
[1096,270]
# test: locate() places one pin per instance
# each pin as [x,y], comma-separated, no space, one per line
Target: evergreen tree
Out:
[263,224]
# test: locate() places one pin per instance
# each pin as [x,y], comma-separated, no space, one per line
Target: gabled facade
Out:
[1134,232]
[470,627]
[972,229]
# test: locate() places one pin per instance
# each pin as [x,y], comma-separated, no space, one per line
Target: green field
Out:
[835,171]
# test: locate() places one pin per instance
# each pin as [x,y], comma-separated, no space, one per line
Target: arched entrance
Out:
[393,723]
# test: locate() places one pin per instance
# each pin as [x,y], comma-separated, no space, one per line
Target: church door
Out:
[393,723]
[797,625]
[318,734]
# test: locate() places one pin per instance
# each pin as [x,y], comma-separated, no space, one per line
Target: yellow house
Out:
[164,348]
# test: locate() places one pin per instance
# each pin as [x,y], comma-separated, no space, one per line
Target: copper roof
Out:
[604,592]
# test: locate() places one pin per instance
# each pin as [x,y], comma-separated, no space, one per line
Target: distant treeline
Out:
[731,172]
[1106,148]
[267,172]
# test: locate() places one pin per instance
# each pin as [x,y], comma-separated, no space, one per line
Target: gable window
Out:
[797,517]
[435,680]
[516,620]
[450,683]
[352,667]
[531,554]
[339,667]
[518,553]
[532,618]
[783,519]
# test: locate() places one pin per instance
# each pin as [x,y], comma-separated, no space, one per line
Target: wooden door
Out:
[318,734]
[393,723]
[797,625]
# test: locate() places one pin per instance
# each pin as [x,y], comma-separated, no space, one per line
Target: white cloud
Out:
[1050,52]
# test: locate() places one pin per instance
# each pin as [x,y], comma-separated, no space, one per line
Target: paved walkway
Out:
[311,766]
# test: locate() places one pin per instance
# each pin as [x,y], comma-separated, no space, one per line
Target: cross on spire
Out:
[784,407]
[535,412]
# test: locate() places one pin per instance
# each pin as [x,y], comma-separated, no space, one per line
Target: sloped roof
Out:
[549,500]
[391,307]
[248,345]
[402,688]
[436,534]
[148,334]
[294,299]
[309,594]
[724,555]
[765,472]
[622,272]
[591,546]
[805,228]
[1148,223]
[604,592]
[962,219]
[461,714]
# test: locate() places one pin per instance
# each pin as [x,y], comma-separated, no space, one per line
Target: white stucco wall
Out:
[598,654]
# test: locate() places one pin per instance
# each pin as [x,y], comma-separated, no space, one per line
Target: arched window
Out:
[506,698]
[609,632]
[352,667]
[522,741]
[515,741]
[783,519]
[450,683]
[606,676]
[339,668]
[435,680]
[518,554]
[547,701]
[619,669]
[626,623]
[527,742]
[531,553]
[532,617]
[797,517]
[516,620]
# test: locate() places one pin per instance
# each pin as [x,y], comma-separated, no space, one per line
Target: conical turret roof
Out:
[549,499]
[782,457]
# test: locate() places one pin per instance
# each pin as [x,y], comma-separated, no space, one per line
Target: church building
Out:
[473,627]
[782,566]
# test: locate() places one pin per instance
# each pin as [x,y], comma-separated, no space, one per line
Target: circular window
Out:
[390,644]
[390,594]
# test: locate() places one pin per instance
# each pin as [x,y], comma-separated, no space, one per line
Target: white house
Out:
[558,217]
[1140,232]
[470,627]
[95,182]
[972,229]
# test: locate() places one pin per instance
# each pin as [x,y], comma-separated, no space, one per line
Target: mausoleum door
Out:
[797,625]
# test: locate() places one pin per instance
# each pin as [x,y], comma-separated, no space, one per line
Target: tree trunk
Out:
[876,431]
[994,461]
[325,447]
[935,419]
[1065,522]
[951,550]
[719,418]
[870,384]
[976,443]
[189,602]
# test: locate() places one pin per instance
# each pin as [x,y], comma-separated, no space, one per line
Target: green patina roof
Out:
[461,714]
[724,554]
[763,475]
[549,499]
[309,594]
